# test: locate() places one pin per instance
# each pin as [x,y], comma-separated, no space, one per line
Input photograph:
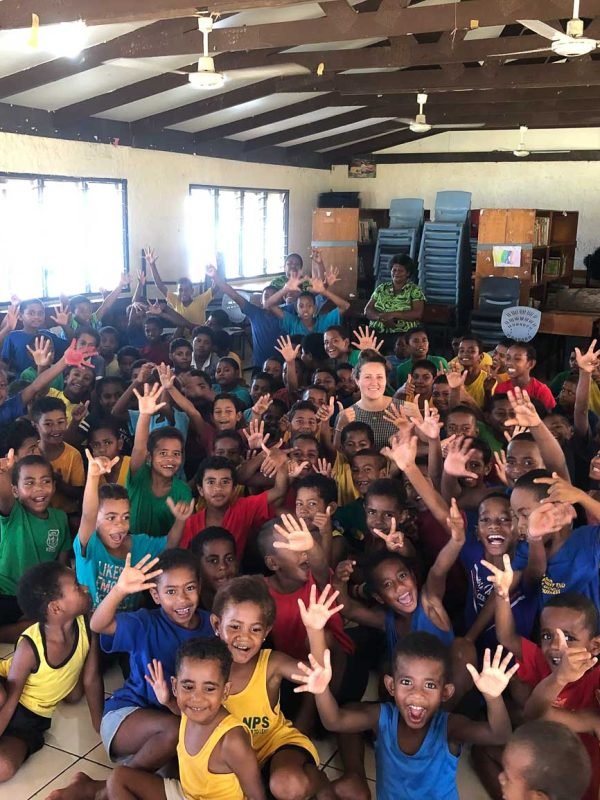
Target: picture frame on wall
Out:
[363,167]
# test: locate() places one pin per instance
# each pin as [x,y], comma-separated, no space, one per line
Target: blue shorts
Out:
[111,722]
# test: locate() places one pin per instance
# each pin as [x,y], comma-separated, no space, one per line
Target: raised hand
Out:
[403,452]
[156,679]
[524,413]
[495,675]
[80,412]
[574,661]
[342,575]
[293,283]
[11,317]
[295,468]
[166,376]
[181,510]
[289,352]
[274,461]
[154,308]
[150,256]
[41,352]
[140,577]
[490,379]
[295,533]
[430,424]
[144,374]
[366,340]
[395,414]
[316,285]
[211,272]
[459,452]
[262,405]
[588,361]
[327,410]
[456,376]
[455,523]
[560,490]
[319,611]
[8,462]
[62,315]
[501,579]
[409,389]
[79,358]
[501,464]
[123,281]
[148,402]
[516,431]
[322,519]
[99,465]
[549,518]
[316,678]
[394,540]
[332,276]
[141,276]
[255,434]
[323,467]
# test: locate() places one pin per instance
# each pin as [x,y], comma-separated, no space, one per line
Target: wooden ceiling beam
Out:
[59,68]
[266,118]
[17,13]
[388,21]
[337,140]
[476,97]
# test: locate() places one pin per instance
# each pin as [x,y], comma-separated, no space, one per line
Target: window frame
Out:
[286,215]
[41,177]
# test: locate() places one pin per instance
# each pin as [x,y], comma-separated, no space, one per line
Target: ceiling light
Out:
[572,48]
[65,40]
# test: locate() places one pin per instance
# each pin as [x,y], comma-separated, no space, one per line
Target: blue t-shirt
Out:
[12,408]
[418,622]
[266,328]
[16,354]
[147,634]
[181,421]
[574,568]
[99,570]
[524,604]
[429,773]
[292,325]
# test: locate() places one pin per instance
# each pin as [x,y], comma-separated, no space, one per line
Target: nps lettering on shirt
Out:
[552,587]
[256,724]
[52,540]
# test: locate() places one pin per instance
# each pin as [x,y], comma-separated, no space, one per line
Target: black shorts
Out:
[29,728]
[9,609]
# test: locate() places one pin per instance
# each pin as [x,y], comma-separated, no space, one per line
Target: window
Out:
[245,229]
[61,235]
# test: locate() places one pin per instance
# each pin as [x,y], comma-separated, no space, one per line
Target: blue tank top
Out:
[430,773]
[419,622]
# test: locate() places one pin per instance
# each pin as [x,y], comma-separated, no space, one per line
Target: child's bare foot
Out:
[82,787]
[352,787]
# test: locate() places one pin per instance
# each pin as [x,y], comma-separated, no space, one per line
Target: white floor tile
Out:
[37,771]
[336,761]
[333,774]
[326,747]
[95,771]
[113,679]
[469,787]
[100,756]
[72,729]
[6,648]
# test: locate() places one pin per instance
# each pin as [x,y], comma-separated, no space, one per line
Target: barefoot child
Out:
[104,540]
[417,746]
[243,615]
[216,761]
[56,659]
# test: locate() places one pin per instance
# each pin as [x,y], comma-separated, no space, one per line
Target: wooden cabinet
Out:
[547,239]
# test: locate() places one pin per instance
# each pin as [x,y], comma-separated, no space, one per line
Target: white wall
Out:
[158,185]
[561,185]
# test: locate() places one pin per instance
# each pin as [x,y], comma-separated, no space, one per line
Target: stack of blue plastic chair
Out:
[406,222]
[444,255]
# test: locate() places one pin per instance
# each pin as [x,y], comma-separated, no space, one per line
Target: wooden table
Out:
[568,323]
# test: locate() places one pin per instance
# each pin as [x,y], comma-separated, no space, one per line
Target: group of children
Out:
[250,552]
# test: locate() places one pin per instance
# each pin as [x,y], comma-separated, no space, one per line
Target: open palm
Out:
[495,675]
[316,678]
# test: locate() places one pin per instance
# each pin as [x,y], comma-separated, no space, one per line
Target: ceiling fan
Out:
[420,125]
[568,45]
[522,151]
[207,78]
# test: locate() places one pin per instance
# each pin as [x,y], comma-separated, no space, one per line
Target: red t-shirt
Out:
[289,633]
[243,517]
[575,696]
[157,352]
[535,389]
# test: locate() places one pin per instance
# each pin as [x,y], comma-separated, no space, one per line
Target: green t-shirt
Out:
[385,300]
[151,514]
[27,540]
[486,435]
[557,381]
[403,371]
[352,519]
[31,373]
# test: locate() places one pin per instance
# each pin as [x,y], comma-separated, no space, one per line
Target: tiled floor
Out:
[73,746]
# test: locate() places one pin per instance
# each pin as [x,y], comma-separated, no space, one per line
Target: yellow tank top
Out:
[196,780]
[48,685]
[269,729]
[123,472]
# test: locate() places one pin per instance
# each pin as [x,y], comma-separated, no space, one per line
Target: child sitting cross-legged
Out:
[559,679]
[56,659]
[216,760]
[104,541]
[243,616]
[417,746]
[136,725]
